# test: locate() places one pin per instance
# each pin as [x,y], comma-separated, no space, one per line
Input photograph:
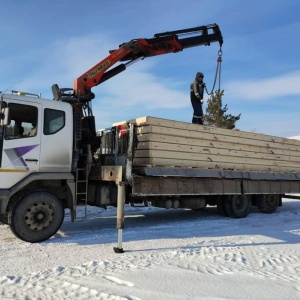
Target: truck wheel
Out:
[4,219]
[36,216]
[221,206]
[268,203]
[238,206]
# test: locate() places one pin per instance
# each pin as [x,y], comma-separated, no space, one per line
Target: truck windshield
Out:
[3,104]
[23,121]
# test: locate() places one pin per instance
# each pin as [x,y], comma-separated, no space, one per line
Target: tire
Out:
[4,219]
[268,203]
[238,206]
[36,216]
[221,206]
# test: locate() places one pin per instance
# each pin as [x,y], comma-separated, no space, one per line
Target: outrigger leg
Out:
[120,215]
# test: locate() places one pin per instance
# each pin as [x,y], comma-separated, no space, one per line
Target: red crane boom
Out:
[134,50]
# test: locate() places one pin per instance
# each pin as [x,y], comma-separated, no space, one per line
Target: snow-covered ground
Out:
[175,254]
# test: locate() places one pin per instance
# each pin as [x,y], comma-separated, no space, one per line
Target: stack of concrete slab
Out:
[167,143]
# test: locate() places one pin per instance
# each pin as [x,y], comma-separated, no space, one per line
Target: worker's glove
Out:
[203,85]
[201,101]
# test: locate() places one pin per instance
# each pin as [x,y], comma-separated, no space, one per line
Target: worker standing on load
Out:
[197,90]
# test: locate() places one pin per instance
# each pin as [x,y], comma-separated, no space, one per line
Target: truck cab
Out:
[30,142]
[36,148]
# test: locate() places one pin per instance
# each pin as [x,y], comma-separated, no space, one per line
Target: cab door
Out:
[21,143]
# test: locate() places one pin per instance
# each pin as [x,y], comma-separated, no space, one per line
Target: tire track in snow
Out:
[82,281]
[255,260]
[268,263]
[70,282]
[57,286]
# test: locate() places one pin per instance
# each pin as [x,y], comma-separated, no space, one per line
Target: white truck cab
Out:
[36,148]
[39,138]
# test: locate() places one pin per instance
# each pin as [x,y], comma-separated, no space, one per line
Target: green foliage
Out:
[215,114]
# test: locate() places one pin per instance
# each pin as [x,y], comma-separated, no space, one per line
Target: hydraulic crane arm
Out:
[134,50]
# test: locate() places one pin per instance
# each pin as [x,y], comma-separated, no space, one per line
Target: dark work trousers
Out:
[198,112]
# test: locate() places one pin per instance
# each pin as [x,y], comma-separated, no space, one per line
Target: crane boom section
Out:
[161,43]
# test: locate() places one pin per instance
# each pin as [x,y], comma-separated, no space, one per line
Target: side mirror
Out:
[4,117]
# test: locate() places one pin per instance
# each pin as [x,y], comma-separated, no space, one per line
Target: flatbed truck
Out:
[52,157]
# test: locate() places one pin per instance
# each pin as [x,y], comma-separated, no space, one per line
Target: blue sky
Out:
[46,42]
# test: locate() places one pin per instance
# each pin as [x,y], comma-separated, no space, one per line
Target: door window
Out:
[54,121]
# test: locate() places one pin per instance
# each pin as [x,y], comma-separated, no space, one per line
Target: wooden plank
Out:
[233,159]
[244,167]
[145,121]
[241,151]
[187,141]
[171,143]
[216,137]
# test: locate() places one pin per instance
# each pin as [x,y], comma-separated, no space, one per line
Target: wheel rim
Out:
[271,201]
[39,216]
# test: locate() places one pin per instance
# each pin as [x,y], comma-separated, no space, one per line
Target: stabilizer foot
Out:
[118,250]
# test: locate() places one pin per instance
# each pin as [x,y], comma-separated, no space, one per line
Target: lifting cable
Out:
[218,72]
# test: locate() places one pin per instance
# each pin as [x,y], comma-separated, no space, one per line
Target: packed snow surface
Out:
[169,254]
